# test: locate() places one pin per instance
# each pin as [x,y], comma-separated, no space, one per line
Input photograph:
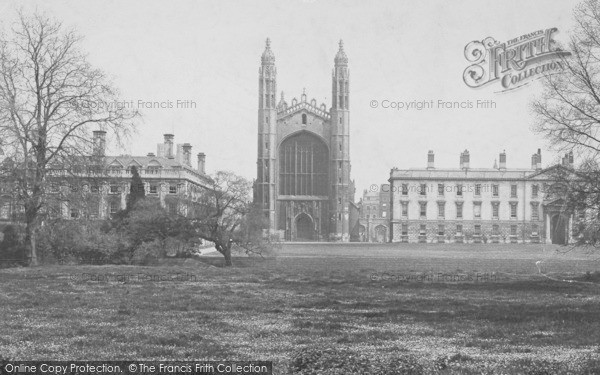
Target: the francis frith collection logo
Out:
[514,63]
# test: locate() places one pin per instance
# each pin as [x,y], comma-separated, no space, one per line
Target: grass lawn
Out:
[454,308]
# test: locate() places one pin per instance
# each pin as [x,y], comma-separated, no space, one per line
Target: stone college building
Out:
[478,205]
[99,187]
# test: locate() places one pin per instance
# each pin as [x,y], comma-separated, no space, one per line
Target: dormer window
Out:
[153,167]
[114,169]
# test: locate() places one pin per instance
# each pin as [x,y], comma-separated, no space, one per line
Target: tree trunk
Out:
[34,257]
[227,255]
[226,251]
[32,212]
[30,244]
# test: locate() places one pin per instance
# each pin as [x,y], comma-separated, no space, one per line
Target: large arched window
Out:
[303,166]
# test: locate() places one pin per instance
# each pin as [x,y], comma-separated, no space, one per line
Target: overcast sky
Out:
[209,52]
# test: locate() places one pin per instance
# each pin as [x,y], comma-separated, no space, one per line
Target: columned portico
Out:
[558,224]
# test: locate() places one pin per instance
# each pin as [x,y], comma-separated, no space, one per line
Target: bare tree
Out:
[568,111]
[51,99]
[226,216]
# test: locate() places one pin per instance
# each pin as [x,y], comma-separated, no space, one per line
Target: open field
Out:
[452,308]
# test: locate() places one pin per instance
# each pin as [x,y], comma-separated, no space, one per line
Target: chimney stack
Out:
[567,160]
[430,159]
[179,153]
[503,160]
[187,154]
[539,159]
[201,163]
[571,161]
[534,161]
[464,160]
[169,146]
[99,148]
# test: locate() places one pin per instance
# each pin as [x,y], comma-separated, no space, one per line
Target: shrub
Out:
[140,237]
[148,221]
[174,247]
[12,249]
[57,241]
[86,242]
[148,253]
[99,246]
[10,237]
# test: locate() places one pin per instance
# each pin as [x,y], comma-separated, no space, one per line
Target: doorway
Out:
[558,230]
[304,228]
[380,233]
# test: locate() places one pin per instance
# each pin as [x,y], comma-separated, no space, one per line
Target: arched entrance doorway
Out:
[380,233]
[304,228]
[558,229]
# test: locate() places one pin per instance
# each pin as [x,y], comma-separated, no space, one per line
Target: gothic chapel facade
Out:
[303,167]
